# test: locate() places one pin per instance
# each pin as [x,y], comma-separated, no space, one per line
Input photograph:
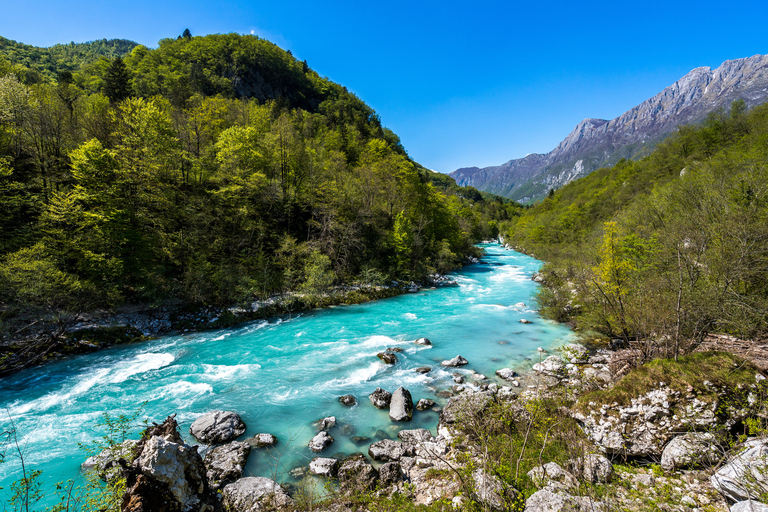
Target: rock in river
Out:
[217,427]
[320,442]
[323,466]
[401,405]
[380,398]
[423,341]
[456,361]
[226,463]
[387,357]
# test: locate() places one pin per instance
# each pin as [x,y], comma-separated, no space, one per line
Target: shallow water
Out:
[283,375]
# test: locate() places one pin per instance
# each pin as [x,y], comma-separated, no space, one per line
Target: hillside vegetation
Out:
[212,169]
[665,249]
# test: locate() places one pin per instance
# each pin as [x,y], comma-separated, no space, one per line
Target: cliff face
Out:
[597,143]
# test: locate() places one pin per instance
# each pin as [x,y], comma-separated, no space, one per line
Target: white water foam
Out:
[140,364]
[51,400]
[357,376]
[226,372]
[411,316]
[378,341]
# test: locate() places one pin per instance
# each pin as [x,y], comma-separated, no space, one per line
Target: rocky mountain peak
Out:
[598,142]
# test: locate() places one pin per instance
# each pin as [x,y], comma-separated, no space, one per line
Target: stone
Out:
[325,467]
[401,405]
[321,441]
[456,361]
[749,506]
[168,463]
[417,435]
[554,499]
[506,373]
[357,473]
[690,450]
[326,423]
[744,476]
[360,439]
[387,357]
[226,463]
[261,441]
[552,366]
[390,473]
[458,379]
[467,403]
[254,494]
[490,491]
[387,450]
[525,321]
[348,400]
[552,473]
[217,427]
[423,341]
[423,369]
[395,349]
[424,404]
[592,467]
[380,398]
[575,353]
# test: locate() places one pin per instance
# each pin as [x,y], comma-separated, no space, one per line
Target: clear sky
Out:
[462,83]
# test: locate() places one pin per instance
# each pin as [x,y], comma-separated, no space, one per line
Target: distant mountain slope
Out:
[598,142]
[62,57]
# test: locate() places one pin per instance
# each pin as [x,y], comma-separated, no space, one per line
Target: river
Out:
[282,375]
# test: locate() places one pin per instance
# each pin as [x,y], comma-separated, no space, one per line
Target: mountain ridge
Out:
[594,143]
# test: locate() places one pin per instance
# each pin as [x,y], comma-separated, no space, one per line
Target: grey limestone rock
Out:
[387,357]
[226,463]
[552,366]
[321,441]
[388,450]
[456,361]
[401,405]
[355,472]
[417,435]
[255,494]
[552,474]
[102,462]
[745,476]
[390,473]
[424,404]
[464,404]
[554,499]
[261,440]
[592,467]
[490,491]
[380,398]
[217,427]
[348,400]
[506,373]
[423,341]
[749,506]
[323,466]
[690,450]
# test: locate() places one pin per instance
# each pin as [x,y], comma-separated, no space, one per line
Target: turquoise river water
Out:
[282,375]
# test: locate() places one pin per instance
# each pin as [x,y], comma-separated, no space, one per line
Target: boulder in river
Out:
[387,357]
[323,466]
[506,373]
[326,423]
[423,369]
[261,441]
[525,321]
[217,427]
[225,463]
[386,450]
[348,400]
[423,341]
[380,398]
[424,404]
[456,361]
[320,442]
[401,405]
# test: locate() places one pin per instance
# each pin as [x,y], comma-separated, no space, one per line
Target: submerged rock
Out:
[423,369]
[348,400]
[387,357]
[380,398]
[401,405]
[217,427]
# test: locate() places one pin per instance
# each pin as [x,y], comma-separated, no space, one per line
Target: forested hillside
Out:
[212,170]
[668,248]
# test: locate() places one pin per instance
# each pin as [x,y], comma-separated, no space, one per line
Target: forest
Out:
[210,170]
[665,250]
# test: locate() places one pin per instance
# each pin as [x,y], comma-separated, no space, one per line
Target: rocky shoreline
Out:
[41,341]
[686,431]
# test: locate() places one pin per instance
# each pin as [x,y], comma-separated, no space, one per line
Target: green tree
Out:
[117,82]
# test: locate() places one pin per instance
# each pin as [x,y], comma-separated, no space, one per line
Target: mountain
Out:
[596,143]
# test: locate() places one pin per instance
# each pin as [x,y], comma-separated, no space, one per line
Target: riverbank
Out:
[37,342]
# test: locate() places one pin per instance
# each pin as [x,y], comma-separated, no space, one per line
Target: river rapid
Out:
[282,375]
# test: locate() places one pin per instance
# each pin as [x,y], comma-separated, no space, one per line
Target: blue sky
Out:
[463,84]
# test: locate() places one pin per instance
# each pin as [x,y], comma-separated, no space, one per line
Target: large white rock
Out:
[217,427]
[321,441]
[323,466]
[745,476]
[575,353]
[592,467]
[553,499]
[226,463]
[456,361]
[490,491]
[506,373]
[691,449]
[387,450]
[254,494]
[552,473]
[553,366]
[167,462]
[401,405]
[749,506]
